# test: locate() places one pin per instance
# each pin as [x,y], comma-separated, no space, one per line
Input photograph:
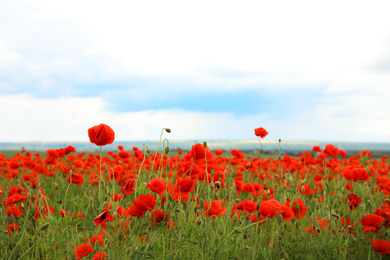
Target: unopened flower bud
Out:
[248,165]
[56,185]
[167,150]
[168,130]
[45,225]
[217,184]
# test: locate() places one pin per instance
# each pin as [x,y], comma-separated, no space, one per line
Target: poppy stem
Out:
[139,170]
[158,147]
[100,171]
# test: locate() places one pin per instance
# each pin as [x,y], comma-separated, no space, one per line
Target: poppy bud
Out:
[248,165]
[56,185]
[167,150]
[204,144]
[303,189]
[217,184]
[167,130]
[45,225]
[168,167]
[335,215]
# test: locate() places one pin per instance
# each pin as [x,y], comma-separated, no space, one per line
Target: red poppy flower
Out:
[124,154]
[214,210]
[134,211]
[101,135]
[299,209]
[157,185]
[354,201]
[248,187]
[99,256]
[145,202]
[269,208]
[342,153]
[218,152]
[331,150]
[128,188]
[159,216]
[305,189]
[349,186]
[64,213]
[381,246]
[261,132]
[12,210]
[372,223]
[75,178]
[98,238]
[182,188]
[199,153]
[316,149]
[11,228]
[353,173]
[103,218]
[83,250]
[247,205]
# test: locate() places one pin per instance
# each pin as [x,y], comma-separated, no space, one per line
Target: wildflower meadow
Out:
[131,203]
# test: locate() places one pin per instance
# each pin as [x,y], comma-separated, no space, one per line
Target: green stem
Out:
[158,147]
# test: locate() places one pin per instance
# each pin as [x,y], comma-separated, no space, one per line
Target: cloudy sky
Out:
[304,70]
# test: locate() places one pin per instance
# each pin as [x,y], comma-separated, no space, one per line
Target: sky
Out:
[208,70]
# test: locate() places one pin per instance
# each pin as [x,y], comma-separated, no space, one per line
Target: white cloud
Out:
[284,44]
[67,119]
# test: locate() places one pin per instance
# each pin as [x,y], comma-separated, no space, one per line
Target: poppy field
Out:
[131,203]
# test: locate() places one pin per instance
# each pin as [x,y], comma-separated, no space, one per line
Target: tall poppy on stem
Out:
[260,132]
[101,135]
